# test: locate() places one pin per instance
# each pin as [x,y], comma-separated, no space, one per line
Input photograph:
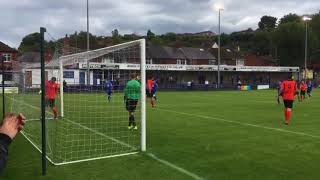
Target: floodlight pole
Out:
[306,19]
[88,45]
[306,52]
[219,42]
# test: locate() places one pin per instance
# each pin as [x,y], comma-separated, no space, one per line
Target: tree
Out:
[30,43]
[224,39]
[290,18]
[262,43]
[289,38]
[244,39]
[79,40]
[267,23]
[170,36]
[115,33]
[315,26]
[150,35]
[158,41]
[116,39]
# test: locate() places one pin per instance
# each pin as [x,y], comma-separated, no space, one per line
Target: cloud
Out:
[61,17]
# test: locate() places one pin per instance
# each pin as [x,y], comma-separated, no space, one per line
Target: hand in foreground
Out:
[12,124]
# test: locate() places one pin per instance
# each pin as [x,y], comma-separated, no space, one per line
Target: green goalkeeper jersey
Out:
[132,90]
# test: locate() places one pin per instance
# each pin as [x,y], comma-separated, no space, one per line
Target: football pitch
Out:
[198,135]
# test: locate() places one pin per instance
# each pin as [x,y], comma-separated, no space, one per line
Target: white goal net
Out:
[87,117]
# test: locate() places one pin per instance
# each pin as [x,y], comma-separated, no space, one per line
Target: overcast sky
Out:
[60,17]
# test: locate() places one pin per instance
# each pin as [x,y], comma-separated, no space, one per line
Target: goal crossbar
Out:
[89,55]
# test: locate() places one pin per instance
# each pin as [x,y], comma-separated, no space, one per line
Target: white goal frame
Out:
[85,57]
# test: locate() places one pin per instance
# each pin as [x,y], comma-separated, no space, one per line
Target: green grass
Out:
[215,135]
[91,127]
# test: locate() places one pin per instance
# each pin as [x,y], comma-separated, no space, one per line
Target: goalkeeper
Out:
[132,92]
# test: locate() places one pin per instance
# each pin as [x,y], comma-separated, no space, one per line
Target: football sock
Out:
[287,115]
[55,112]
[131,120]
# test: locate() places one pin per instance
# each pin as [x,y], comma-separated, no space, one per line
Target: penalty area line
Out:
[177,168]
[243,124]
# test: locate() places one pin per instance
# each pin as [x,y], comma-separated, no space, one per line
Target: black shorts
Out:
[302,93]
[288,103]
[149,95]
[50,103]
[131,105]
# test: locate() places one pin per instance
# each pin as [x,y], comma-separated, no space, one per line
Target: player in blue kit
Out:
[108,88]
[309,88]
[278,91]
[154,89]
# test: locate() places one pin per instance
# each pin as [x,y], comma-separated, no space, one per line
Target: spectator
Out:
[206,84]
[10,126]
[189,85]
[232,80]
[192,84]
[65,86]
[239,84]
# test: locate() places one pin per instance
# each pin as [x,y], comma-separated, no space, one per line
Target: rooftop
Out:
[5,48]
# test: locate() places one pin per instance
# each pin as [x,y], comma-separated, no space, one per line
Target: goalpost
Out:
[90,125]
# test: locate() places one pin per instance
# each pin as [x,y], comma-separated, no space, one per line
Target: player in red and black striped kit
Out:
[149,91]
[303,89]
[288,91]
[51,90]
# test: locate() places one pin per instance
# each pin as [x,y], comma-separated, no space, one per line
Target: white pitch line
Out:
[99,133]
[181,170]
[199,103]
[243,124]
[149,154]
[85,127]
[120,142]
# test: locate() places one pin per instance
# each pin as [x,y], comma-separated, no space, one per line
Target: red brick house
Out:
[10,55]
[254,60]
[229,56]
[184,55]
